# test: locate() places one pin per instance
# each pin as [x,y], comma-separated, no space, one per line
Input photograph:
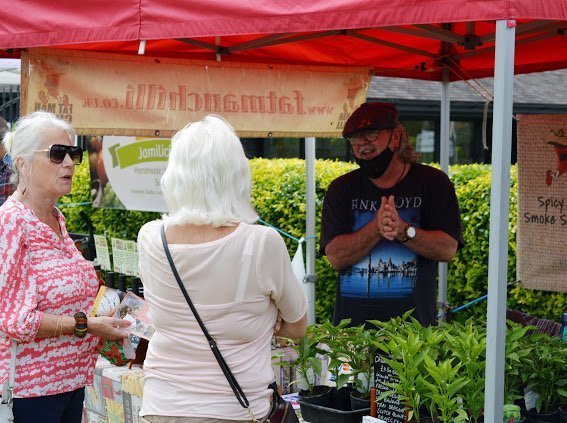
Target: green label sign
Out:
[139,152]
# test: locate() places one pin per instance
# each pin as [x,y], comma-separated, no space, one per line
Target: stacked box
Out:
[94,401]
[114,410]
[132,405]
[132,387]
[104,401]
[92,417]
[133,382]
[112,392]
[94,405]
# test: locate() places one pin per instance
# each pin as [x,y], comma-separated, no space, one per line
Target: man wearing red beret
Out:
[386,225]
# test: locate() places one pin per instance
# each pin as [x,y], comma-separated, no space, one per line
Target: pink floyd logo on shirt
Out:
[402,202]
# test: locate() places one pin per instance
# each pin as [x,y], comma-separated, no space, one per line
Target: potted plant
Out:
[335,340]
[444,384]
[518,354]
[308,367]
[546,376]
[361,348]
[467,343]
[432,372]
[322,344]
[405,355]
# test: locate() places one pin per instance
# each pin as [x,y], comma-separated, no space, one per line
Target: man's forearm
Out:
[348,249]
[433,245]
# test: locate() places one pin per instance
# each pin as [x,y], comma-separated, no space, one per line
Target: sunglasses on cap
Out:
[57,153]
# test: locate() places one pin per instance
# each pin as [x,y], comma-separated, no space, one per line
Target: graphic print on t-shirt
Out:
[389,271]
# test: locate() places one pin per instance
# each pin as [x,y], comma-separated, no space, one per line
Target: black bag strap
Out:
[238,392]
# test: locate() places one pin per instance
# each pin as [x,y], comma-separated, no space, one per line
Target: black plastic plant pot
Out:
[563,414]
[319,395]
[340,398]
[535,417]
[313,413]
[357,402]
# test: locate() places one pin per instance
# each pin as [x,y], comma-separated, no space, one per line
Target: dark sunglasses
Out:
[57,153]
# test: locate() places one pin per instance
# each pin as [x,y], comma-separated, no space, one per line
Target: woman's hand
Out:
[110,328]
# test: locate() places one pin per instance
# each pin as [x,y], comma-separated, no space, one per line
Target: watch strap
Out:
[406,237]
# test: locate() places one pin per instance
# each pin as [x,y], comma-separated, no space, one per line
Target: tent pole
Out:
[444,163]
[310,276]
[499,216]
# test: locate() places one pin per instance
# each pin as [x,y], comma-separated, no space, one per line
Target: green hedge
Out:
[279,197]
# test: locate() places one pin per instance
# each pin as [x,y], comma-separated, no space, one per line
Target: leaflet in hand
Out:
[135,310]
[106,301]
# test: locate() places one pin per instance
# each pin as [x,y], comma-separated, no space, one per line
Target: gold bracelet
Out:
[57,324]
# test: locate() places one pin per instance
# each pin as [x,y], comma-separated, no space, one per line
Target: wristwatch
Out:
[409,233]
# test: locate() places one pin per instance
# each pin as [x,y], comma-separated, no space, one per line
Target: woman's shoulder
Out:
[266,236]
[149,230]
[12,211]
[257,229]
[15,222]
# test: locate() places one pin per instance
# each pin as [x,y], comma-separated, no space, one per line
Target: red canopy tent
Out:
[440,40]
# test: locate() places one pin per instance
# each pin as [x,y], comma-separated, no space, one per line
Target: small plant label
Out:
[388,409]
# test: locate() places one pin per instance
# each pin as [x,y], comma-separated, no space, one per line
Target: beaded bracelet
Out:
[80,324]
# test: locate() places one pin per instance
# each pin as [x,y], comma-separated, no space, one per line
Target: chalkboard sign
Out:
[388,409]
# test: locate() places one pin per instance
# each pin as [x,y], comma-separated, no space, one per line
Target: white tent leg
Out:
[499,216]
[444,162]
[310,276]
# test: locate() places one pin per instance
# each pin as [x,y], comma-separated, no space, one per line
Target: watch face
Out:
[410,232]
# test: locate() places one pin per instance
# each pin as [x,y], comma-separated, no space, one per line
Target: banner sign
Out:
[126,172]
[542,202]
[110,94]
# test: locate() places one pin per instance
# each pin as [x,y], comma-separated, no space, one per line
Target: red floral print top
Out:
[40,273]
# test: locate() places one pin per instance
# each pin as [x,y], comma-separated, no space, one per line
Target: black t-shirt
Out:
[391,279]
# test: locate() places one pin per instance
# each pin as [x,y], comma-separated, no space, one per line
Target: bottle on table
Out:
[135,283]
[109,282]
[121,282]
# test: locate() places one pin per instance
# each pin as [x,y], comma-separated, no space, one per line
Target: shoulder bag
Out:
[6,413]
[281,411]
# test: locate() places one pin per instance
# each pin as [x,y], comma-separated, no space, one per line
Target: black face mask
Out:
[374,168]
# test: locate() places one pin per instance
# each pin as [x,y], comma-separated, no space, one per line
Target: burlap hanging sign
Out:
[542,202]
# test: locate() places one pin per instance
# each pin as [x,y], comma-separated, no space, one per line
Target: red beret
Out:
[371,116]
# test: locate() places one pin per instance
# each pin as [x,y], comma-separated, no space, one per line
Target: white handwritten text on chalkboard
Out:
[388,409]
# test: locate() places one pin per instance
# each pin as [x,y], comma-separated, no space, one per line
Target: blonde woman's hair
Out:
[207,180]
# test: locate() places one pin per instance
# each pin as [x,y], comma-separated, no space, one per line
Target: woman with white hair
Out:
[47,288]
[237,274]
